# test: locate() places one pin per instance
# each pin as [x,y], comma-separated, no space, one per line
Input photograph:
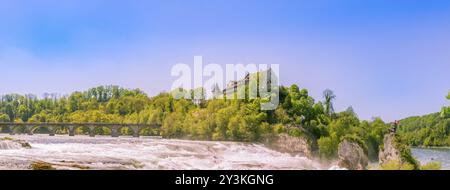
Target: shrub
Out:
[396,165]
[279,128]
[295,132]
[327,147]
[431,166]
[405,153]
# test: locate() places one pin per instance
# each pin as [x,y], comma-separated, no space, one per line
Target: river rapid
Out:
[152,153]
[147,153]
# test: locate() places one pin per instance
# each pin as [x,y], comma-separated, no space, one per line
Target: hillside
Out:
[427,130]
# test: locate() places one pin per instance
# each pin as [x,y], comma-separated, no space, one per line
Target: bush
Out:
[396,165]
[279,128]
[296,132]
[405,153]
[4,118]
[431,166]
[327,147]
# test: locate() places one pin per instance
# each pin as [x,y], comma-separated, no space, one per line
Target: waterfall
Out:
[7,145]
[102,152]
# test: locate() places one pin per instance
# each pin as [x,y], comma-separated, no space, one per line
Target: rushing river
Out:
[146,153]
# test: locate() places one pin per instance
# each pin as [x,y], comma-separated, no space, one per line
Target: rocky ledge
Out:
[292,145]
[10,143]
[396,154]
[40,165]
[352,155]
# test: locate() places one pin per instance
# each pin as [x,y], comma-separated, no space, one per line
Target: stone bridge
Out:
[52,127]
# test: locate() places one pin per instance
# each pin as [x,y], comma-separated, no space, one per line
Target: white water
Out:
[147,153]
[8,145]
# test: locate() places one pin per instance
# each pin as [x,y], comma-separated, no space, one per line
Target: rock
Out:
[41,166]
[393,151]
[81,167]
[292,145]
[389,152]
[10,143]
[352,156]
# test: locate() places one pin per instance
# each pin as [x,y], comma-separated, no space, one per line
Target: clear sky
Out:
[388,58]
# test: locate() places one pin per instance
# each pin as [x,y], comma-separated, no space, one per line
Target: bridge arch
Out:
[151,130]
[94,130]
[4,129]
[87,129]
[43,129]
[129,130]
[17,129]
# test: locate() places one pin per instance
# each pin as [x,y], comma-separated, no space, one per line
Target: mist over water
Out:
[147,153]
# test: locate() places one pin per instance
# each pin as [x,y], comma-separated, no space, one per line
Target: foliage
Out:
[405,153]
[329,97]
[110,104]
[397,165]
[327,147]
[428,130]
[445,112]
[431,166]
[4,118]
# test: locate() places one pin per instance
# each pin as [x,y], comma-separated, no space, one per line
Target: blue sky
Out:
[387,58]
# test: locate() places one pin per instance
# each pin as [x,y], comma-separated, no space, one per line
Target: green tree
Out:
[445,112]
[329,97]
[4,118]
[327,147]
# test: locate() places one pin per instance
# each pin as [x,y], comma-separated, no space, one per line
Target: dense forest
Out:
[213,119]
[429,130]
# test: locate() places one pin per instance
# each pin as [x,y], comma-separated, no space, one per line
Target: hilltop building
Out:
[233,86]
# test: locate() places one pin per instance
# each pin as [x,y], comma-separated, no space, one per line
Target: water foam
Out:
[149,153]
[8,145]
